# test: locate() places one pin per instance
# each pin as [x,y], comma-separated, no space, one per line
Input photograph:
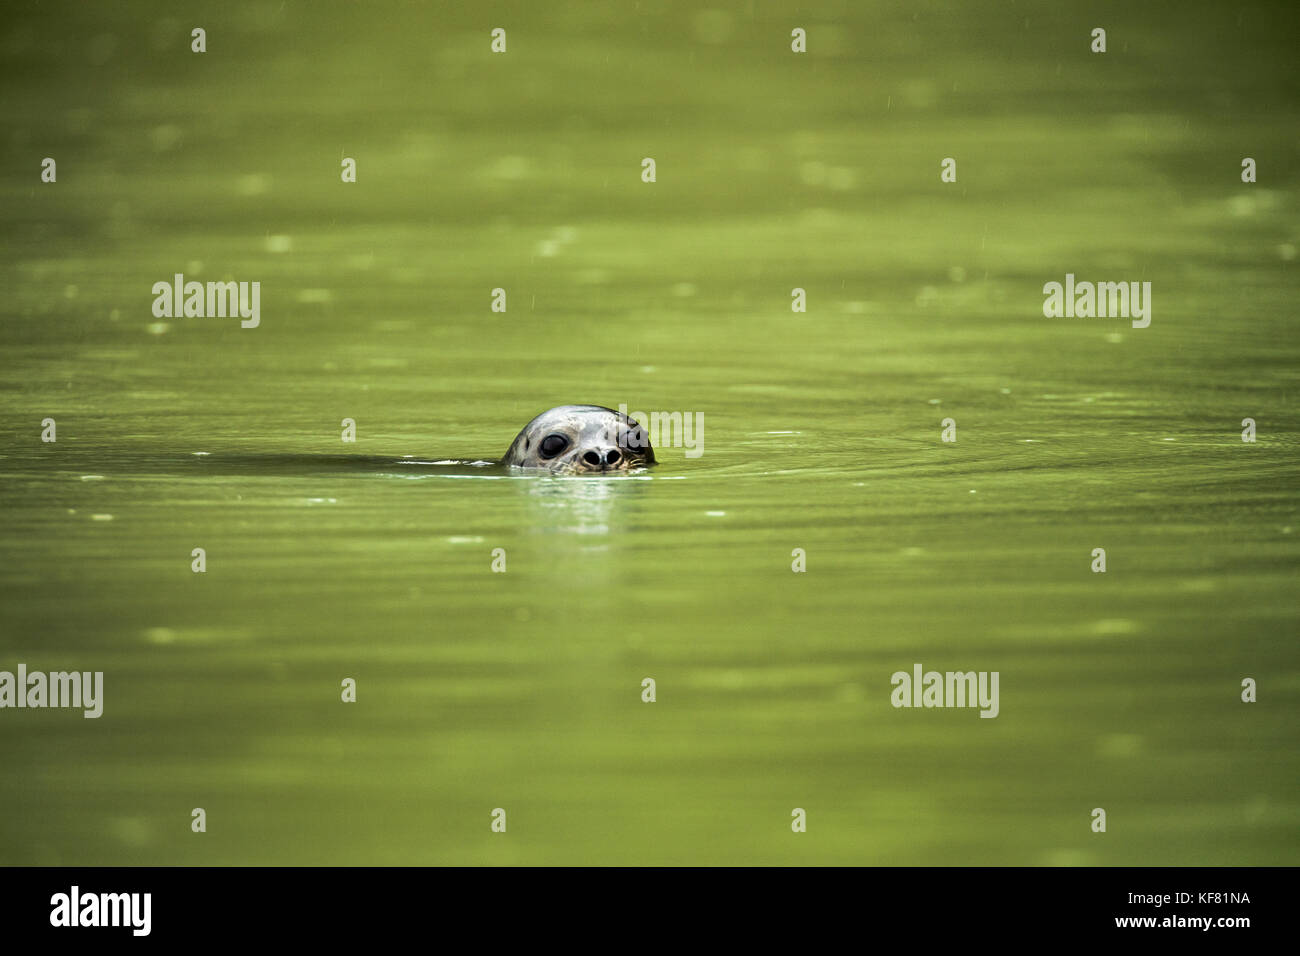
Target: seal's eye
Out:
[552,445]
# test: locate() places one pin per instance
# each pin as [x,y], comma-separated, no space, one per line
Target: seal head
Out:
[581,440]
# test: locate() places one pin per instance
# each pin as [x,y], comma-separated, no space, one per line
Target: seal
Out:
[581,440]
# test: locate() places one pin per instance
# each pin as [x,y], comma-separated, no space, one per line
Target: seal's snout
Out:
[602,458]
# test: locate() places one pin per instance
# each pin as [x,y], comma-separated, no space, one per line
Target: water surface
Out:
[522,689]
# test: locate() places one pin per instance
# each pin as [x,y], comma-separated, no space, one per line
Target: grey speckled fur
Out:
[599,441]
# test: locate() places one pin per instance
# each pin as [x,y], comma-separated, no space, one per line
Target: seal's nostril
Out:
[613,457]
[592,458]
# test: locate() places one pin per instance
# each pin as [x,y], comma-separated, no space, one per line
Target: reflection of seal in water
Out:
[581,440]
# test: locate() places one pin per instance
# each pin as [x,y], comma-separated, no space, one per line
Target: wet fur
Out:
[589,428]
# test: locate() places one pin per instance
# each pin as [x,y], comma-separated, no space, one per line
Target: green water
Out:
[522,690]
